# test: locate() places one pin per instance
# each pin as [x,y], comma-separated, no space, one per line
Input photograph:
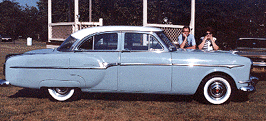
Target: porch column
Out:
[192,19]
[90,7]
[49,20]
[76,16]
[145,12]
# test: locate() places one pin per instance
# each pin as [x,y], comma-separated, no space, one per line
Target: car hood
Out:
[207,53]
[209,57]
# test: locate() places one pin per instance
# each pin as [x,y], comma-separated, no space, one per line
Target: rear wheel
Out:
[61,93]
[217,89]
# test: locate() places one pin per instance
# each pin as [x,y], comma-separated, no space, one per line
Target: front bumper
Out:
[251,84]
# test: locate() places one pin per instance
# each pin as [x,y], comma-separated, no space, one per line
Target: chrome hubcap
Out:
[217,90]
[62,91]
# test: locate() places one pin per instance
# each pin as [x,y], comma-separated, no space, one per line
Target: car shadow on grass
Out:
[136,97]
[30,93]
[40,94]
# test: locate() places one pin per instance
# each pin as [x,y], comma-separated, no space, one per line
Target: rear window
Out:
[104,41]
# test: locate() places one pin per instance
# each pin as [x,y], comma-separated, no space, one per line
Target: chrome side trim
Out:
[24,67]
[18,67]
[108,65]
[191,65]
[144,64]
[89,68]
[205,65]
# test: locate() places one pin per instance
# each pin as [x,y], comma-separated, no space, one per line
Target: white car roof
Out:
[85,32]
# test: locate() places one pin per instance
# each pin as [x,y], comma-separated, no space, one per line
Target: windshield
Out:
[67,44]
[165,39]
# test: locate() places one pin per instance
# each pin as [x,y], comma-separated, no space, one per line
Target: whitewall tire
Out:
[217,90]
[61,94]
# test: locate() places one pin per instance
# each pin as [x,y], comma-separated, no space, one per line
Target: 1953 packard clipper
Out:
[130,60]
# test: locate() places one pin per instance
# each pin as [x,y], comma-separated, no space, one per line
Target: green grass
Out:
[27,104]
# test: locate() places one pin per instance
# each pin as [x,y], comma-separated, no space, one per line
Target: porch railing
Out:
[60,31]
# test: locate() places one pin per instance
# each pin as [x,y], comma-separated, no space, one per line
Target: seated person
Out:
[186,40]
[208,42]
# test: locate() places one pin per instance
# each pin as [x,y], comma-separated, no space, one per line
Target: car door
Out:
[95,60]
[145,67]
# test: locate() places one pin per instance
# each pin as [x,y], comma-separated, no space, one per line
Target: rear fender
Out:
[88,66]
[59,83]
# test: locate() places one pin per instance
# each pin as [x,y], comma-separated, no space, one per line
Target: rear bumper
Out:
[250,84]
[4,83]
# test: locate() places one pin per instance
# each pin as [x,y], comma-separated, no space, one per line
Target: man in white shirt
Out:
[208,41]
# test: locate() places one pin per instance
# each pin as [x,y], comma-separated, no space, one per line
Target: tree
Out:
[20,21]
[232,19]
[43,19]
[10,17]
[31,25]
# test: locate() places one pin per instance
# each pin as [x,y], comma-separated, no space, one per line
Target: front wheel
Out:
[61,93]
[217,89]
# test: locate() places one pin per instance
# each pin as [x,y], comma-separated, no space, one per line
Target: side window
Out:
[106,41]
[87,44]
[140,41]
[154,44]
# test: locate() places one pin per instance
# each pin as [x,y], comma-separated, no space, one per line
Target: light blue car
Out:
[127,59]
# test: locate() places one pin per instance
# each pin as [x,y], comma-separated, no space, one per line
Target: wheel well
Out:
[76,89]
[217,73]
[44,88]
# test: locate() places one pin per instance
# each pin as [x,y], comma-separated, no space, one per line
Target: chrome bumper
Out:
[251,84]
[4,83]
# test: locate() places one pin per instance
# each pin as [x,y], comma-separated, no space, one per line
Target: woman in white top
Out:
[208,42]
